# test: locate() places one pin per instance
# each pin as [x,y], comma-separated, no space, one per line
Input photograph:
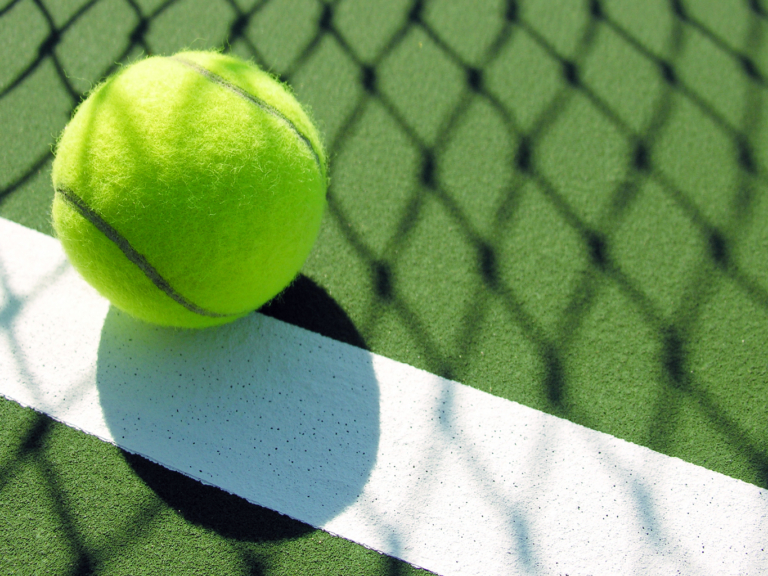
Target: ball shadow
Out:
[307,305]
[213,508]
[228,424]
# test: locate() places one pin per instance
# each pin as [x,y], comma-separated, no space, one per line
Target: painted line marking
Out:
[421,468]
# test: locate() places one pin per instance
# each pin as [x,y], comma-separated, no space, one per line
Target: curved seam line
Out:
[213,77]
[132,254]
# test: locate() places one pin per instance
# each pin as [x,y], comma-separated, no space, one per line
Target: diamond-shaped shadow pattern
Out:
[567,210]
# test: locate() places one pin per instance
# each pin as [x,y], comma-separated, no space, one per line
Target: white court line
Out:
[421,468]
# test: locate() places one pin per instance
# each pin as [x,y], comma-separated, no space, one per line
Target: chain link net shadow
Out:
[596,228]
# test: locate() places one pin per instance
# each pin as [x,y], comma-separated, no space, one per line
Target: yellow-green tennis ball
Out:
[189,189]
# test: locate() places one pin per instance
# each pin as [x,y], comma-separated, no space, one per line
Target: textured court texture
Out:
[560,203]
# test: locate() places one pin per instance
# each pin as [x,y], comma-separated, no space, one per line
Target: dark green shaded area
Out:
[567,210]
[563,204]
[73,504]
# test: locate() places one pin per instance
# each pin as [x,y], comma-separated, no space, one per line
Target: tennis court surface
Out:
[536,314]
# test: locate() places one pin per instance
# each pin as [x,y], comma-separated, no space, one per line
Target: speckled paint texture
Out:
[422,468]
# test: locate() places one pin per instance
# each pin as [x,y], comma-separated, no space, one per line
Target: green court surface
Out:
[561,203]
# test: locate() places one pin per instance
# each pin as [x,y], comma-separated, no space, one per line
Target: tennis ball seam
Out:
[134,255]
[215,78]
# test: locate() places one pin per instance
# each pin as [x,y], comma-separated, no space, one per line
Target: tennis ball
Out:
[189,189]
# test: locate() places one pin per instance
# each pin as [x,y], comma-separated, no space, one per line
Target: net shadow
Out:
[721,233]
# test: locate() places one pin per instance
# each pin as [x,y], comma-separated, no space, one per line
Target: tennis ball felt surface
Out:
[189,189]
